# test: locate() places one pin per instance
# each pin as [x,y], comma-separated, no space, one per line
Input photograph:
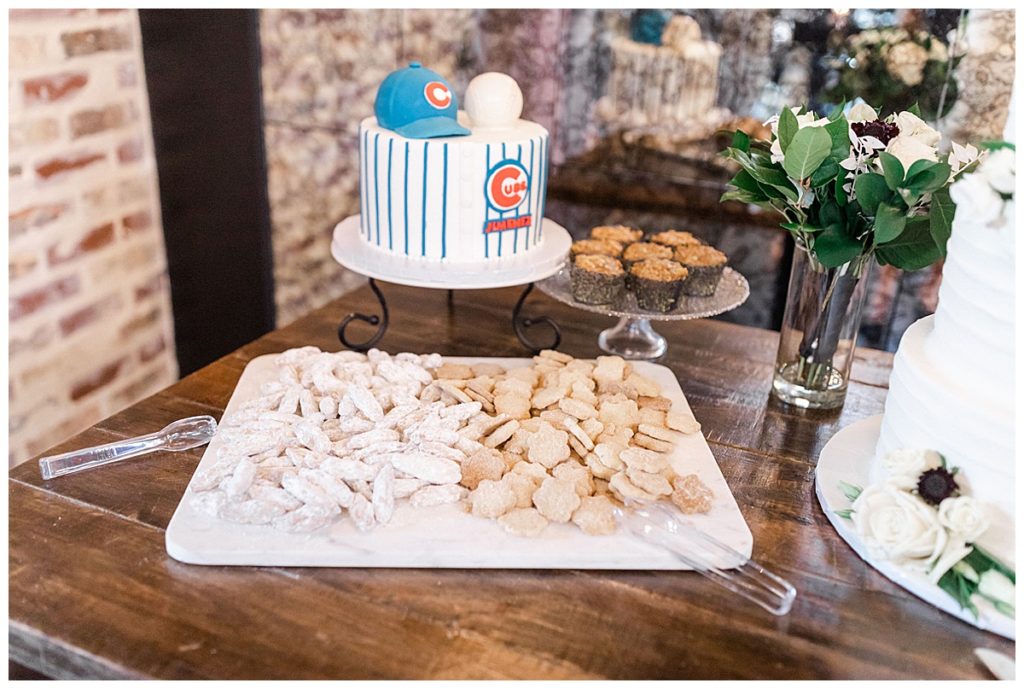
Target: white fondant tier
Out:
[931,406]
[476,198]
[974,323]
[652,85]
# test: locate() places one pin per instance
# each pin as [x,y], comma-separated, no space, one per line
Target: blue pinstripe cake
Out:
[476,197]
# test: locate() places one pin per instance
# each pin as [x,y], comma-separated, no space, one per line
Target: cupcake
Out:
[596,279]
[641,251]
[617,233]
[675,238]
[657,283]
[706,264]
[603,247]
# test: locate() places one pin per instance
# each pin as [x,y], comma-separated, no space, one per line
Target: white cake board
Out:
[349,249]
[447,536]
[848,457]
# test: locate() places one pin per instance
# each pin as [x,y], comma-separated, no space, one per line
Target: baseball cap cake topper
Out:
[418,103]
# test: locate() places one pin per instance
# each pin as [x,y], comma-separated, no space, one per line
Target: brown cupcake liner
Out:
[657,295]
[595,288]
[703,280]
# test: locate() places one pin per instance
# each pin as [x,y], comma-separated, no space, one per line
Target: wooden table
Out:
[94,594]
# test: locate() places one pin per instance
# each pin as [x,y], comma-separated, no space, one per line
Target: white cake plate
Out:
[847,457]
[351,251]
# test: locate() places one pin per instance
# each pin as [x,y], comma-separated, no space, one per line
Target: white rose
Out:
[897,526]
[938,51]
[954,551]
[910,149]
[906,466]
[861,112]
[912,125]
[906,62]
[976,196]
[1000,170]
[996,585]
[964,516]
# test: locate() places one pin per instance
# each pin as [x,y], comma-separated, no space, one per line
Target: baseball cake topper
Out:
[493,100]
[418,103]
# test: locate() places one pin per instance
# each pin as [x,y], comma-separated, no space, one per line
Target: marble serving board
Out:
[447,536]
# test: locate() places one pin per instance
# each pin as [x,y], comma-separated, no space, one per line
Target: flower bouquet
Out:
[898,67]
[851,188]
[918,517]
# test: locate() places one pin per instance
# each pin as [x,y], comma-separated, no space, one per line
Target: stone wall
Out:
[89,306]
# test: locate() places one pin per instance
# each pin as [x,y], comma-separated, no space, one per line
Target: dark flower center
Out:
[883,131]
[935,485]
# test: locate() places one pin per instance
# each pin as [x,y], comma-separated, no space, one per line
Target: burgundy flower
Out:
[883,131]
[935,485]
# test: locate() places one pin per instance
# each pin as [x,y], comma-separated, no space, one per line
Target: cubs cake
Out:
[440,184]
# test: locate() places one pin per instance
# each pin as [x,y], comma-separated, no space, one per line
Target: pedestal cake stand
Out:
[350,251]
[633,337]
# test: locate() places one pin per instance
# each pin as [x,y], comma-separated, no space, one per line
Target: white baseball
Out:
[493,99]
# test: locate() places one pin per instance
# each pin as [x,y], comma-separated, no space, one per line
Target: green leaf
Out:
[741,140]
[844,514]
[839,131]
[787,128]
[808,149]
[840,193]
[871,190]
[953,584]
[743,196]
[996,145]
[830,213]
[825,173]
[745,181]
[929,179]
[837,112]
[991,561]
[893,170]
[1004,608]
[889,223]
[834,247]
[851,492]
[775,178]
[913,249]
[915,109]
[918,166]
[940,218]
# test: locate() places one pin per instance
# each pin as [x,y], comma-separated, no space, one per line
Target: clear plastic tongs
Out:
[183,434]
[664,526]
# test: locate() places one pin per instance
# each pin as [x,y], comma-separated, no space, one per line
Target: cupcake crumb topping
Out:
[675,238]
[606,247]
[660,269]
[702,255]
[644,250]
[617,233]
[599,263]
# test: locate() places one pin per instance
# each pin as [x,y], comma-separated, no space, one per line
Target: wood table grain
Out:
[93,593]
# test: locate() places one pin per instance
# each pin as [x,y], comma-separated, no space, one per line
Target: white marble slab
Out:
[446,536]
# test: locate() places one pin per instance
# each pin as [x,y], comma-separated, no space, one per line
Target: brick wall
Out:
[89,301]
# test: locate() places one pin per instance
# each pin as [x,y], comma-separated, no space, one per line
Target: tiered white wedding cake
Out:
[672,86]
[952,385]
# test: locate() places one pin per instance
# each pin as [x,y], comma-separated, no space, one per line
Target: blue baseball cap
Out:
[418,103]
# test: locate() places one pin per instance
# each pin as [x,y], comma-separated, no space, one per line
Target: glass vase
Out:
[819,331]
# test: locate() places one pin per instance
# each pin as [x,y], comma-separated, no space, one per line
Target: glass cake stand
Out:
[634,337]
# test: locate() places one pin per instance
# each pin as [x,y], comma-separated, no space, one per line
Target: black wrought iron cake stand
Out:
[520,323]
[350,250]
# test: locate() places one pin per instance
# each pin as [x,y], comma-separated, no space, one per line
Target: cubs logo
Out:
[506,186]
[438,95]
[506,189]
